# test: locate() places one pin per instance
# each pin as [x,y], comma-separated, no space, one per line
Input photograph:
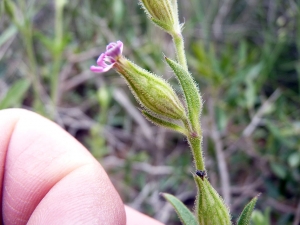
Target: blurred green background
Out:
[244,54]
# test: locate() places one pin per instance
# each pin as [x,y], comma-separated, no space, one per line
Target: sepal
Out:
[164,123]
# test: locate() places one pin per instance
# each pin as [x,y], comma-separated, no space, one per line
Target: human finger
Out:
[47,177]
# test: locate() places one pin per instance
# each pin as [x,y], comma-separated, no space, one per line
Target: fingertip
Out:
[81,197]
[134,217]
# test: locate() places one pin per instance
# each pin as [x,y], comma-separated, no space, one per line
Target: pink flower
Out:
[107,60]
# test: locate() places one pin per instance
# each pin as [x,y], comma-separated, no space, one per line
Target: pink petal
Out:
[107,60]
[96,69]
[108,67]
[99,69]
[120,44]
[110,46]
[100,60]
[114,49]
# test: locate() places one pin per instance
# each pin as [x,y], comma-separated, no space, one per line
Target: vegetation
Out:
[243,54]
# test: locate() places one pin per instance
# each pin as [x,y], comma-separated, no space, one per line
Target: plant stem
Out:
[28,42]
[179,46]
[194,139]
[57,53]
[196,146]
[54,80]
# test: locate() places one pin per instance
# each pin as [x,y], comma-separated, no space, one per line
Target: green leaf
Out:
[222,118]
[185,215]
[15,94]
[250,94]
[118,12]
[11,9]
[257,217]
[191,93]
[261,218]
[48,42]
[279,170]
[245,216]
[8,34]
[164,123]
[294,159]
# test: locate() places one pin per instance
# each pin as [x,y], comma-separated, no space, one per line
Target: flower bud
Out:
[163,13]
[151,91]
[210,207]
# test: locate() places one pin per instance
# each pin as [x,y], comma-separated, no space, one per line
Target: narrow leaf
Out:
[8,34]
[185,215]
[164,123]
[10,8]
[245,216]
[15,94]
[191,93]
[46,41]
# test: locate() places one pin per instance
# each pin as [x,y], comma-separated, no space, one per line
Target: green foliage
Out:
[256,54]
[191,94]
[261,218]
[245,216]
[15,94]
[164,123]
[185,215]
[7,34]
[10,9]
[152,92]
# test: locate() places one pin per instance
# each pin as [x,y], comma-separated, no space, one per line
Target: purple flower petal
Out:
[114,49]
[100,60]
[107,60]
[99,69]
[120,44]
[110,45]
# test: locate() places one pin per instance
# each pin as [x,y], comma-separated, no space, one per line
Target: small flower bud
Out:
[163,13]
[152,92]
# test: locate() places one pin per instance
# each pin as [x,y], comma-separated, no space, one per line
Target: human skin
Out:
[48,177]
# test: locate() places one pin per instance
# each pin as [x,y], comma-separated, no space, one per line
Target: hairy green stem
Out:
[179,46]
[196,146]
[195,136]
[195,142]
